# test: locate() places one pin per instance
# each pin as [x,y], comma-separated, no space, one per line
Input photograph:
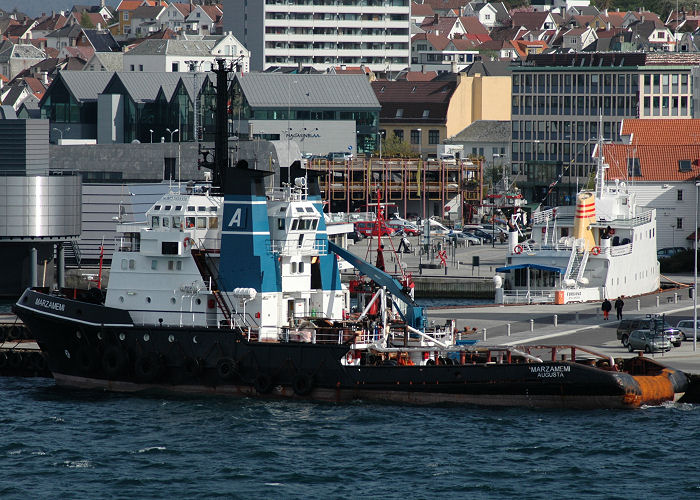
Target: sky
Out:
[35,8]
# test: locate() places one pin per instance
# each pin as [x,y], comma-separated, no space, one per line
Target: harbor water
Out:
[59,443]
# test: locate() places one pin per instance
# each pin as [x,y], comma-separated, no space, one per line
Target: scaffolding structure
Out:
[408,183]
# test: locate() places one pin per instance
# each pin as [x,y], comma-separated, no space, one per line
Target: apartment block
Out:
[322,33]
[561,103]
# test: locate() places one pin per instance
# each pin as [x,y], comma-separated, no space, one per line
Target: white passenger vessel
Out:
[605,246]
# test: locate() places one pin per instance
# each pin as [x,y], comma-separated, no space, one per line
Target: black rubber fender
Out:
[226,368]
[263,383]
[193,366]
[86,361]
[148,367]
[114,361]
[303,384]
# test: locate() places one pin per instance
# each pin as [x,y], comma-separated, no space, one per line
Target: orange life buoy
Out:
[349,357]
[518,249]
[595,250]
[185,241]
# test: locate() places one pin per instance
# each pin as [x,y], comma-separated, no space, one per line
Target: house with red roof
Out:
[439,53]
[659,160]
[420,11]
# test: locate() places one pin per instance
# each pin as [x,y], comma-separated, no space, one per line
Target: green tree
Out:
[393,146]
[85,21]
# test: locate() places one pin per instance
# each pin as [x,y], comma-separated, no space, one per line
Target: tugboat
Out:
[233,288]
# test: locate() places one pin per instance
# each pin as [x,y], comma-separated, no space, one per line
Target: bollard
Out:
[556,319]
[576,316]
[657,301]
[484,334]
[675,298]
[508,329]
[639,305]
[532,325]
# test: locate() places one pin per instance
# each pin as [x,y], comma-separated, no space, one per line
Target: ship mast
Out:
[600,166]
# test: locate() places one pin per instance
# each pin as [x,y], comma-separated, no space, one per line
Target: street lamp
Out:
[171,132]
[420,143]
[151,131]
[60,132]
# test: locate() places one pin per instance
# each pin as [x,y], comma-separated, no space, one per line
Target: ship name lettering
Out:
[56,306]
[550,371]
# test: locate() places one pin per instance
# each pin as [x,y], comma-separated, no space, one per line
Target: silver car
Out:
[685,326]
[648,341]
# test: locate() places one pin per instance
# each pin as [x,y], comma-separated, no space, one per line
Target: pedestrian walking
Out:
[619,304]
[607,307]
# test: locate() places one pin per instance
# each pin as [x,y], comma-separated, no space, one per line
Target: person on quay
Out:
[619,304]
[606,307]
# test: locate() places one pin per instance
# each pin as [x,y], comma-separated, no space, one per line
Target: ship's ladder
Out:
[577,264]
[200,259]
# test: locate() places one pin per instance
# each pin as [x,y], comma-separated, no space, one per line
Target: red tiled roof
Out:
[421,9]
[51,52]
[418,76]
[662,131]
[473,26]
[656,164]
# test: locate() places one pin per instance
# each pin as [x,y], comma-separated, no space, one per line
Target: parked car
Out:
[355,236]
[370,229]
[648,341]
[464,239]
[408,228]
[490,228]
[480,233]
[685,326]
[664,253]
[651,322]
[339,156]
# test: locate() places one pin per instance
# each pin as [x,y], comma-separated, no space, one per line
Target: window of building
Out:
[415,136]
[175,67]
[633,167]
[426,113]
[399,134]
[433,137]
[679,222]
[684,166]
[131,67]
[140,67]
[399,113]
[680,195]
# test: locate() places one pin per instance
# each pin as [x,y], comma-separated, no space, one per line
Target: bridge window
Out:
[201,222]
[155,221]
[280,224]
[213,222]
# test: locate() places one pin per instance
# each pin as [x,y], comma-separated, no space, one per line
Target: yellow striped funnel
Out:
[585,216]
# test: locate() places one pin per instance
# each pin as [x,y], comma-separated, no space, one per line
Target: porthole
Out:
[171,338]
[122,336]
[194,339]
[67,353]
[99,335]
[148,300]
[198,301]
[146,337]
[172,300]
[121,299]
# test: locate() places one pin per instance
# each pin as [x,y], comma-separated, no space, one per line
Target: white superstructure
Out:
[605,246]
[322,34]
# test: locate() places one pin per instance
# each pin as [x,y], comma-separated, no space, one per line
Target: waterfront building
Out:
[426,113]
[658,160]
[323,34]
[557,100]
[323,112]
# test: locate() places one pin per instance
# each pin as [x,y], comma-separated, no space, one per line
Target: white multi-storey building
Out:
[323,33]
